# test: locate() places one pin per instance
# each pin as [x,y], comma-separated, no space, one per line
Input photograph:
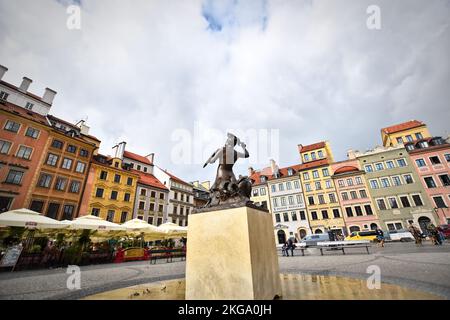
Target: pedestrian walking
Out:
[284,250]
[291,246]
[441,235]
[380,237]
[434,234]
[416,233]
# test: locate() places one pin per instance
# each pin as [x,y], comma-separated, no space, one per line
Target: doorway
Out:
[281,237]
[423,223]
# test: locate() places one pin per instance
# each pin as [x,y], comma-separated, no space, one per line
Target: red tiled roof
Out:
[136,157]
[22,112]
[256,176]
[403,126]
[311,147]
[345,169]
[314,164]
[149,180]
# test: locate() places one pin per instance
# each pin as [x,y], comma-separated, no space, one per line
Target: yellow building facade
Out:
[404,132]
[110,190]
[322,203]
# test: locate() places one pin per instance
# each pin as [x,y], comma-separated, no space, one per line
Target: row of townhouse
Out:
[53,167]
[405,180]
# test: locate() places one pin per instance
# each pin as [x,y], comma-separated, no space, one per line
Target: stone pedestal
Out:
[231,255]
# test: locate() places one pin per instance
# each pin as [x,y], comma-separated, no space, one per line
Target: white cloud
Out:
[139,70]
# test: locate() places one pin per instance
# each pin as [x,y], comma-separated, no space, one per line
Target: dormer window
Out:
[263,179]
[424,144]
[410,147]
[290,172]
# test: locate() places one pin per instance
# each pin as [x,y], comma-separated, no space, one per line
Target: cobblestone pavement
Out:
[424,268]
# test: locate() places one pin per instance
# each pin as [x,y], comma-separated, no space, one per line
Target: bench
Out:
[342,245]
[169,254]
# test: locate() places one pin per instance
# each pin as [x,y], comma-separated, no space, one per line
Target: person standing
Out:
[380,237]
[291,246]
[416,233]
[433,234]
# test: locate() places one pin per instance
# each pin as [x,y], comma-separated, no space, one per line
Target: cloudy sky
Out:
[150,72]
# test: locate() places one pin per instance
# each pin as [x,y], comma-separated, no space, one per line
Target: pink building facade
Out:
[431,157]
[358,210]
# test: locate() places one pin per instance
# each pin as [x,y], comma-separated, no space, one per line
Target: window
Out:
[95,212]
[321,199]
[291,200]
[408,179]
[405,202]
[138,167]
[390,164]
[117,178]
[52,210]
[99,192]
[114,195]
[381,204]
[255,192]
[349,181]
[314,215]
[143,192]
[277,217]
[283,201]
[435,160]
[393,203]
[32,132]
[358,180]
[399,140]
[332,198]
[385,182]
[84,153]
[307,187]
[129,181]
[52,160]
[306,156]
[152,208]
[318,185]
[420,163]
[311,200]
[336,213]
[68,212]
[80,167]
[379,166]
[328,184]
[12,126]
[29,106]
[145,169]
[305,175]
[325,172]
[274,188]
[103,175]
[368,209]
[394,226]
[281,187]
[320,154]
[275,202]
[424,144]
[262,191]
[302,215]
[358,211]
[363,194]
[296,185]
[288,185]
[161,207]
[374,184]
[3,95]
[71,148]
[445,180]
[401,162]
[417,200]
[75,186]
[60,184]
[315,174]
[349,211]
[14,177]
[45,180]
[344,195]
[57,144]
[353,195]
[313,156]
[325,214]
[368,168]
[285,217]
[396,181]
[429,181]
[37,206]
[24,152]
[299,199]
[439,201]
[4,146]
[419,136]
[447,157]
[126,197]
[341,183]
[263,179]
[124,217]
[290,172]
[409,138]
[66,164]
[150,220]
[110,216]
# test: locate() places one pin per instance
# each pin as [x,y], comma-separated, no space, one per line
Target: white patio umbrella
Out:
[90,222]
[29,219]
[172,229]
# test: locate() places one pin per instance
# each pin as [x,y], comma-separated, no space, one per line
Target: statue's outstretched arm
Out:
[213,157]
[245,154]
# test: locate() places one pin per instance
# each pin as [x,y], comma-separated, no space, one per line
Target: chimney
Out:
[49,95]
[84,129]
[119,150]
[3,70]
[250,171]
[25,84]
[273,166]
[151,157]
[351,154]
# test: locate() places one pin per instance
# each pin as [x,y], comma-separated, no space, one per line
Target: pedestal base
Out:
[231,255]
